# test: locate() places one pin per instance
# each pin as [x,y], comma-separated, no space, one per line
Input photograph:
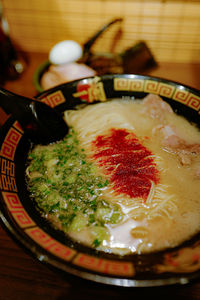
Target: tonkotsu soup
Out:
[124,180]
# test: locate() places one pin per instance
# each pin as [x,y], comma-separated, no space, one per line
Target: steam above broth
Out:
[124,180]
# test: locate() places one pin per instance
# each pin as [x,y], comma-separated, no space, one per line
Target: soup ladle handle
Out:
[41,123]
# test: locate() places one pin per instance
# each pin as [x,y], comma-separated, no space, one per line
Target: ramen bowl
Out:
[20,216]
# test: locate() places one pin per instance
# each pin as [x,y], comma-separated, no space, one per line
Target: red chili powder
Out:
[129,164]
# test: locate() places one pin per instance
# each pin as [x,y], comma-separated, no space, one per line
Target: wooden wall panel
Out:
[171,28]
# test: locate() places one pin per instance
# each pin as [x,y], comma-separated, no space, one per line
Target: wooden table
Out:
[22,277]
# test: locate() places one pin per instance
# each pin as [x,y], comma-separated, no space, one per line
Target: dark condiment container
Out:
[11,66]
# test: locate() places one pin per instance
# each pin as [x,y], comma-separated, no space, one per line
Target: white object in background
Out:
[65,52]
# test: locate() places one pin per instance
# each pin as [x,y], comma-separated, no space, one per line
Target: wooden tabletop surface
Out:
[24,278]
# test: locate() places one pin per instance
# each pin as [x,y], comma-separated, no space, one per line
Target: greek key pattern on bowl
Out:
[54,99]
[104,266]
[159,88]
[10,143]
[48,243]
[17,210]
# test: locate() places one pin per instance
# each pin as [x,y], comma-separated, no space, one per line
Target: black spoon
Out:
[41,123]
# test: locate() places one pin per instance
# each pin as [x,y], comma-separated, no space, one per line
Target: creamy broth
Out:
[125,179]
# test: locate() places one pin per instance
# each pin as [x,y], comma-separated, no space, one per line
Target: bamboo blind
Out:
[170,28]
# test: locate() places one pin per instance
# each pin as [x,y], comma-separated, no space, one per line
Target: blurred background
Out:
[171,28]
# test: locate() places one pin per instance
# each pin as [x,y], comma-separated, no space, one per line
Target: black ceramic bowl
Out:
[23,221]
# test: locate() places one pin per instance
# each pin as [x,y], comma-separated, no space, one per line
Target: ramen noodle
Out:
[124,180]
